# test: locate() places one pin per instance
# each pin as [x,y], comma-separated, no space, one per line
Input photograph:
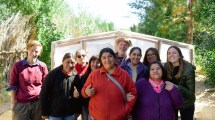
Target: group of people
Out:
[110,86]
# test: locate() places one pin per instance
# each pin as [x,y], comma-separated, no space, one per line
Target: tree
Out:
[190,21]
[185,21]
[42,10]
[53,20]
[162,18]
[204,37]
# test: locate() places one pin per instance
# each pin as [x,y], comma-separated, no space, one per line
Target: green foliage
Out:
[205,54]
[209,67]
[204,37]
[47,33]
[4,13]
[206,58]
[43,14]
[82,24]
[161,18]
[54,20]
[86,24]
[4,96]
[167,19]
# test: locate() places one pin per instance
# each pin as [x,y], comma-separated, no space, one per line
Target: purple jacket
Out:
[156,106]
[141,69]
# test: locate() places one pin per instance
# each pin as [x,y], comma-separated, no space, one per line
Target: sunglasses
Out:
[79,56]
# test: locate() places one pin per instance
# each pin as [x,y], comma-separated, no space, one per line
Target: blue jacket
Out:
[141,69]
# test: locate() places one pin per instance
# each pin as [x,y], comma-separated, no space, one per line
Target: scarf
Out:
[156,84]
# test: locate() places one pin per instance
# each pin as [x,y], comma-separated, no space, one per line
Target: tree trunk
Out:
[190,23]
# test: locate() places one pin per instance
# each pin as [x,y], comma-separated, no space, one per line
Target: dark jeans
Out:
[186,114]
[85,113]
[71,117]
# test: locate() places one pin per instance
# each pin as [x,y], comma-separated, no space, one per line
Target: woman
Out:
[151,55]
[59,95]
[26,79]
[182,73]
[93,65]
[133,66]
[81,65]
[156,100]
[107,101]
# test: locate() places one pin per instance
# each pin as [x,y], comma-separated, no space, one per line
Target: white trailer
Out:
[94,43]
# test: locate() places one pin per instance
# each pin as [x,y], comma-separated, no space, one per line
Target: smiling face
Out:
[173,56]
[151,56]
[155,72]
[107,60]
[122,48]
[68,65]
[94,64]
[135,57]
[34,52]
[81,57]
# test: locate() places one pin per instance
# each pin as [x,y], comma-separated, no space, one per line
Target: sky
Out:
[116,11]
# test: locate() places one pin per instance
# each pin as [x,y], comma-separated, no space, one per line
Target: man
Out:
[26,79]
[122,47]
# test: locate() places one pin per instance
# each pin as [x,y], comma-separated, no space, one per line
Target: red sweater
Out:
[108,101]
[28,79]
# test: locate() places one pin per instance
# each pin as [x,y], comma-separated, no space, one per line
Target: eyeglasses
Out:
[150,55]
[79,56]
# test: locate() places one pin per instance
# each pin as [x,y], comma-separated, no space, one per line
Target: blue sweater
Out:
[156,106]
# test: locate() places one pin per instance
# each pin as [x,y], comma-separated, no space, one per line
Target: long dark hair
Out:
[135,48]
[170,68]
[155,51]
[107,49]
[89,70]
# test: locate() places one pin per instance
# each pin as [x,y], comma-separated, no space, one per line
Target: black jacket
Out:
[186,84]
[56,96]
[85,101]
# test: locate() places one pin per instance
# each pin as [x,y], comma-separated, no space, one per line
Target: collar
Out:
[120,57]
[82,66]
[129,61]
[73,72]
[24,62]
[116,72]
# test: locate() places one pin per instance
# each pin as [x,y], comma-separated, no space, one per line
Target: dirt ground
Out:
[204,105]
[205,100]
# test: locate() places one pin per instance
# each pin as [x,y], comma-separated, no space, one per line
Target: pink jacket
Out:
[108,101]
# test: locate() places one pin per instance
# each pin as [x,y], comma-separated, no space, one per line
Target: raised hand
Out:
[90,91]
[75,93]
